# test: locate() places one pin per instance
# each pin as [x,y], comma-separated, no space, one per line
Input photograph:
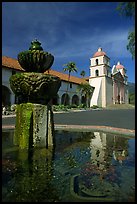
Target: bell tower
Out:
[100,64]
[100,78]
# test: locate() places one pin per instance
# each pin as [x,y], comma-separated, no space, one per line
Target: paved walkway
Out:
[118,121]
[112,118]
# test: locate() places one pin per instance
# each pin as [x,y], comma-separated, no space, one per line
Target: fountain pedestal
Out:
[34,126]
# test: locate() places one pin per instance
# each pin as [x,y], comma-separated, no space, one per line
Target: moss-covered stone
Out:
[35,59]
[34,87]
[23,134]
[34,126]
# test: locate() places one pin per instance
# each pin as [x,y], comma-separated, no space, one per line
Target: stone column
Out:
[34,126]
[12,98]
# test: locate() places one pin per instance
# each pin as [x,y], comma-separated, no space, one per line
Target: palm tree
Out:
[70,67]
[86,91]
[83,73]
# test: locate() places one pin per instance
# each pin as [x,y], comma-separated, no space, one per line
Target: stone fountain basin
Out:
[35,60]
[34,87]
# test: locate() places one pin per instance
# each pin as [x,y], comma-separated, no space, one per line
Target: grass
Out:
[120,106]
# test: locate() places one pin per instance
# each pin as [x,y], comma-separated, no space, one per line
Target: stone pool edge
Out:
[107,129]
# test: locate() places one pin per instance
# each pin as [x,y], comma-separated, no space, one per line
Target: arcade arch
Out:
[65,99]
[75,100]
[6,94]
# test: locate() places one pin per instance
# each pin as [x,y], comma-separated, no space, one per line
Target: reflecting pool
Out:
[84,167]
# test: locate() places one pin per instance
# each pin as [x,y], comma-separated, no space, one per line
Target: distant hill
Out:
[131,88]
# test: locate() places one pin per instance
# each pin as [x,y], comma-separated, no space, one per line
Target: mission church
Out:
[110,85]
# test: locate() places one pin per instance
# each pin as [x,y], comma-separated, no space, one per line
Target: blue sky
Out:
[71,31]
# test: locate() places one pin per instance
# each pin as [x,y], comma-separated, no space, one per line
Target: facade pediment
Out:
[118,76]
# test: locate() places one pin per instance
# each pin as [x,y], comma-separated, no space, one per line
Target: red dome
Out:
[99,53]
[119,66]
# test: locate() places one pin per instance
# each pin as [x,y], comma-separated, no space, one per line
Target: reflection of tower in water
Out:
[98,146]
[101,150]
[102,174]
[104,147]
[120,151]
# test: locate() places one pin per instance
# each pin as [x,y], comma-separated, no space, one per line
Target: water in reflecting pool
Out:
[85,167]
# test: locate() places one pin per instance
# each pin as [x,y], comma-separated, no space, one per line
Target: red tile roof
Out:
[97,54]
[11,63]
[119,66]
[64,77]
[100,52]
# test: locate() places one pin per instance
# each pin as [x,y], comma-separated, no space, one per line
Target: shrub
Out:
[74,106]
[94,106]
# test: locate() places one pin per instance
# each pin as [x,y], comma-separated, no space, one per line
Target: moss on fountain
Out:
[23,123]
[34,126]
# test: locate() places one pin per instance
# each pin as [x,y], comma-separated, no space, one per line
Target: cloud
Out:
[112,42]
[66,29]
[48,19]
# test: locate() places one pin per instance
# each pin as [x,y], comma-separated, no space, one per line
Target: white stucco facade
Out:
[6,90]
[72,91]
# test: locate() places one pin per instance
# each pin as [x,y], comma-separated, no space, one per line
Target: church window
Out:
[96,61]
[70,85]
[13,72]
[97,73]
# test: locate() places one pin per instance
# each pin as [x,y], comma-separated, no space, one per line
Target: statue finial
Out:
[35,45]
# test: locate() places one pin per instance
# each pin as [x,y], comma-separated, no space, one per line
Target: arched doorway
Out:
[118,99]
[6,96]
[75,100]
[65,99]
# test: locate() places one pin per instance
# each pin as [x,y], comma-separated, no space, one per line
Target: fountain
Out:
[34,90]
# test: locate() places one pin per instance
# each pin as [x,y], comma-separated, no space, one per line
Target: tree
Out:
[132,98]
[70,67]
[131,43]
[83,73]
[86,91]
[128,9]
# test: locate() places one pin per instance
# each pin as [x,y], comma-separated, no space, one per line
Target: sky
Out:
[71,31]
